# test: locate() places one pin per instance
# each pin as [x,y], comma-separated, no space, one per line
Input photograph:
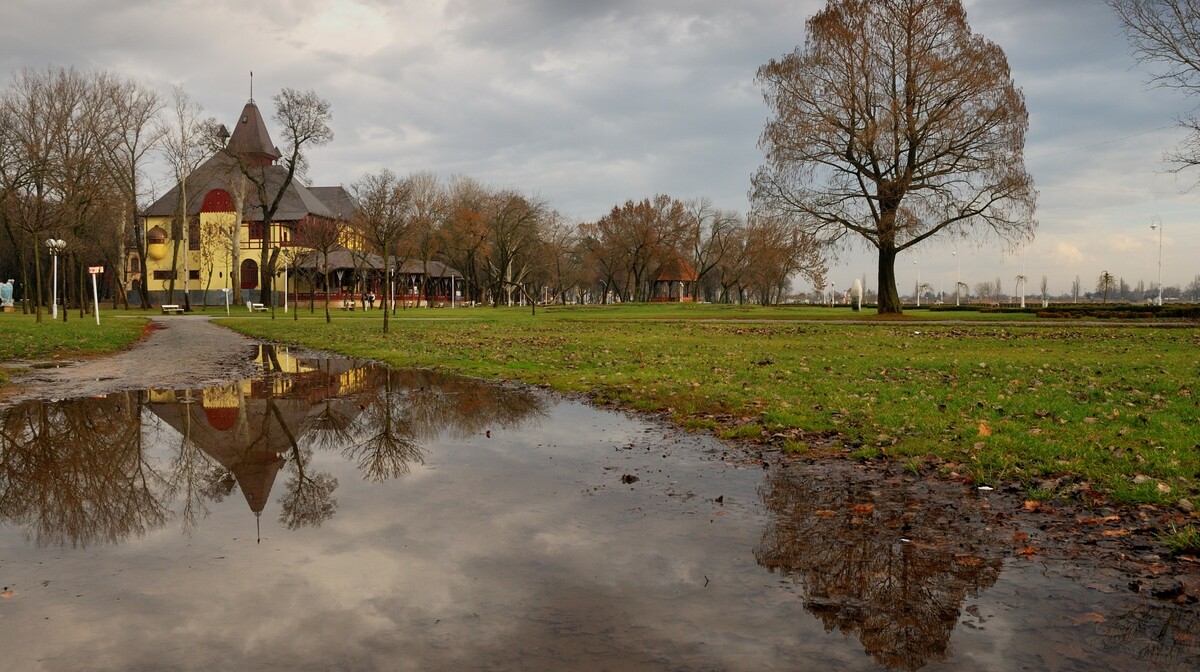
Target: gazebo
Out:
[673,282]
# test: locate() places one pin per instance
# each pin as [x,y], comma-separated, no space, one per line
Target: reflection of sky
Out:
[522,550]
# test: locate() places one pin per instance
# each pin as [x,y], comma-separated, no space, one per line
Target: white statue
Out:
[856,292]
[6,294]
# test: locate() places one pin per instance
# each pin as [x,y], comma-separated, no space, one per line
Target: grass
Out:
[1182,540]
[23,338]
[1059,408]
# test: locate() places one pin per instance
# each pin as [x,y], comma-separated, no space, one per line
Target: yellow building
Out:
[201,254]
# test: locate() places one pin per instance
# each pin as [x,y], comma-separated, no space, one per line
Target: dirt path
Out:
[181,351]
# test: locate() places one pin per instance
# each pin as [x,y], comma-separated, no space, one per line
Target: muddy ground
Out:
[1113,548]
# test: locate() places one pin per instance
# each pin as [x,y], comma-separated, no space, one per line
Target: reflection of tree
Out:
[308,498]
[390,445]
[881,561]
[77,472]
[193,475]
[1167,635]
[73,472]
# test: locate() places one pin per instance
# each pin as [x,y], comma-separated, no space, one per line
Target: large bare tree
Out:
[134,111]
[184,149]
[1166,34]
[894,124]
[384,215]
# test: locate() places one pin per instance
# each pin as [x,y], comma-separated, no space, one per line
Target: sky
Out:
[589,103]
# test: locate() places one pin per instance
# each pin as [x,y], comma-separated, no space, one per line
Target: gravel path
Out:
[183,351]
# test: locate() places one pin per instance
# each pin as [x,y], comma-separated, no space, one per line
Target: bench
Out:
[170,308]
[256,307]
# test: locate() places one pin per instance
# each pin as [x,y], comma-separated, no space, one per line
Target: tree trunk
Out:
[889,298]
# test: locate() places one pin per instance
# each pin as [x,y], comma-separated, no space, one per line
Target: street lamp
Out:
[957,278]
[56,247]
[1157,224]
[918,282]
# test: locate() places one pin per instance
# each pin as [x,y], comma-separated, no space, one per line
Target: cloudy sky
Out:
[587,103]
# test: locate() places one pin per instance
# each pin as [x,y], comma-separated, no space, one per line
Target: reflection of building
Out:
[252,427]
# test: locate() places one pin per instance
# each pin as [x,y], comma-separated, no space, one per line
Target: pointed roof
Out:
[250,138]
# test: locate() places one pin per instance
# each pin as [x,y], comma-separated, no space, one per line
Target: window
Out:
[256,230]
[163,275]
[134,265]
[194,233]
[249,274]
[193,275]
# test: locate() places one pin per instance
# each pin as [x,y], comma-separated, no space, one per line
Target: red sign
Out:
[95,270]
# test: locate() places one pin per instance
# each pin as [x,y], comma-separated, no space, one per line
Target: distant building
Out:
[673,282]
[199,249]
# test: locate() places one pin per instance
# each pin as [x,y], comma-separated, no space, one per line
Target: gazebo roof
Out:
[676,270]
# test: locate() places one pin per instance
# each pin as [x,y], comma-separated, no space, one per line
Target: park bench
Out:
[170,308]
[256,307]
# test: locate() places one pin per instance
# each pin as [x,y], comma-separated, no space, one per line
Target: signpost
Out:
[94,271]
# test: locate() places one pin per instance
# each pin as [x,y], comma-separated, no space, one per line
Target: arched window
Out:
[249,274]
[217,200]
[135,265]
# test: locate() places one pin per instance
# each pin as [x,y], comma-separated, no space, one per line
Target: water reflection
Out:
[885,562]
[75,471]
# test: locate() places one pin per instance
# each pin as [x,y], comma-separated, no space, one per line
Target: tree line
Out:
[78,148]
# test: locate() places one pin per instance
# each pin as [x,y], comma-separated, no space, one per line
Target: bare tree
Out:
[1045,287]
[892,125]
[135,109]
[184,149]
[322,236]
[1166,33]
[50,150]
[385,215]
[513,224]
[712,236]
[1105,284]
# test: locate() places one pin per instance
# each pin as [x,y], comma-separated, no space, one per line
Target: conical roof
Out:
[250,138]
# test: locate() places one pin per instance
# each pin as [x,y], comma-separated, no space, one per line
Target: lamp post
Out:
[286,257]
[56,247]
[1156,223]
[918,282]
[957,278]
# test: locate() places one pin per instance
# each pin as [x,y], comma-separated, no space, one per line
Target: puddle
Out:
[340,515]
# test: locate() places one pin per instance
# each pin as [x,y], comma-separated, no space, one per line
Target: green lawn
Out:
[22,337]
[1104,411]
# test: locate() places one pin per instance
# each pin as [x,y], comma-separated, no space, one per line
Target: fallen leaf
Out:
[1116,533]
[1090,617]
[1032,505]
[824,513]
[984,430]
[863,509]
[1028,550]
[1020,536]
[1097,521]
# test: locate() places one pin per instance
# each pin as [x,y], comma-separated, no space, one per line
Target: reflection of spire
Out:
[258,525]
